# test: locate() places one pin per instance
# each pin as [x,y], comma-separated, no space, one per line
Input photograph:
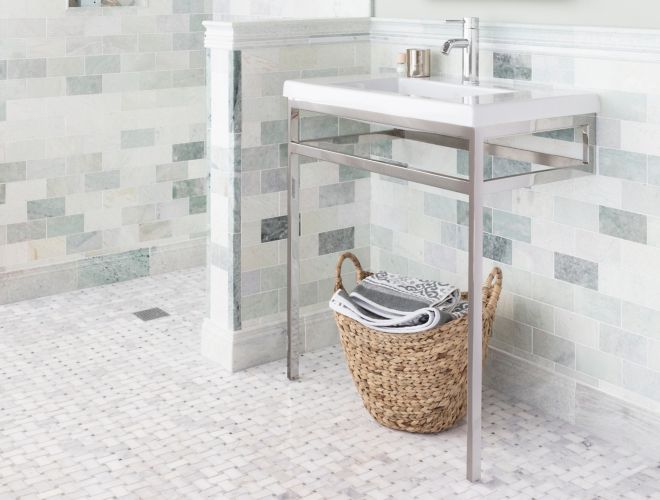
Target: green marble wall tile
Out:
[49,207]
[140,138]
[621,224]
[113,268]
[69,224]
[101,181]
[188,151]
[25,231]
[198,204]
[512,226]
[622,164]
[84,85]
[188,188]
[12,172]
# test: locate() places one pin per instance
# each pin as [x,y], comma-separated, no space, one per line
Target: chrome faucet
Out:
[470,45]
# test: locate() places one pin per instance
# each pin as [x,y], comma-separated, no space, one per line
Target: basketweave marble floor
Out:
[95,403]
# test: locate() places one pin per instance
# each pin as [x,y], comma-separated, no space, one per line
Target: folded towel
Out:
[398,304]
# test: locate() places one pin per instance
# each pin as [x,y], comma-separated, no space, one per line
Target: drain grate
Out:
[151,314]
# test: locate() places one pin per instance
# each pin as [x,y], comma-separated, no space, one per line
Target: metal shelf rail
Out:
[529,141]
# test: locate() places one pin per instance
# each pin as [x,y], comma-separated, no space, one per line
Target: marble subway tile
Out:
[503,167]
[498,248]
[190,187]
[26,68]
[598,364]
[336,194]
[622,164]
[274,132]
[84,242]
[641,380]
[274,229]
[623,105]
[44,169]
[150,231]
[198,205]
[511,226]
[622,224]
[12,172]
[512,66]
[101,181]
[318,126]
[640,319]
[381,237]
[188,151]
[84,85]
[440,207]
[63,226]
[440,256]
[172,172]
[65,66]
[577,271]
[576,213]
[513,333]
[3,194]
[273,278]
[654,170]
[598,306]
[260,158]
[50,207]
[336,241]
[576,328]
[84,163]
[26,231]
[140,138]
[273,181]
[138,214]
[623,344]
[261,304]
[99,65]
[3,69]
[533,313]
[554,348]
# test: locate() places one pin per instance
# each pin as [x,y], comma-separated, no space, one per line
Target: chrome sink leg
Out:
[475,322]
[293,256]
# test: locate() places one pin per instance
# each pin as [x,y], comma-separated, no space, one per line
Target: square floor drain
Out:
[151,314]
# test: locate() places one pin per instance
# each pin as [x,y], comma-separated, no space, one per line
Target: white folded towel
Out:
[392,303]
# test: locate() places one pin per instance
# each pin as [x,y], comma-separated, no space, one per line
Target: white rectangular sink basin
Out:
[442,101]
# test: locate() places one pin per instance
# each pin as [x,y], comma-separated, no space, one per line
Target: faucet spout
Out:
[470,45]
[455,43]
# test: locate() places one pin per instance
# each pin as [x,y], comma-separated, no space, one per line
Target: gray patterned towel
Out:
[399,304]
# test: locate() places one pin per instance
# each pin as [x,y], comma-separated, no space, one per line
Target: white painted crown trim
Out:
[573,41]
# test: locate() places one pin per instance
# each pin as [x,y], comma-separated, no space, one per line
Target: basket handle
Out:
[493,286]
[360,273]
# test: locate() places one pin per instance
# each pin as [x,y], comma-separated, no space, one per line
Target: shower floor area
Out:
[98,403]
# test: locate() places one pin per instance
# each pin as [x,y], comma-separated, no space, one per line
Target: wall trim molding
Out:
[255,34]
[51,279]
[574,41]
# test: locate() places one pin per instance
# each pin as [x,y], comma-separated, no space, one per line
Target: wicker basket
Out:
[413,382]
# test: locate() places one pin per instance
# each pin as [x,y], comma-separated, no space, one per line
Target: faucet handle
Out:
[471,22]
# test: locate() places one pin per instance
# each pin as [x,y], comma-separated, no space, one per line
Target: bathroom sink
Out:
[440,100]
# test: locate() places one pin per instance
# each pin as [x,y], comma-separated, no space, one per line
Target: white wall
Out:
[293,8]
[638,13]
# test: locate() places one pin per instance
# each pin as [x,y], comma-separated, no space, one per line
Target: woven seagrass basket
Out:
[415,382]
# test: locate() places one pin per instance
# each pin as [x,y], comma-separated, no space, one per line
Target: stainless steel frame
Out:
[564,160]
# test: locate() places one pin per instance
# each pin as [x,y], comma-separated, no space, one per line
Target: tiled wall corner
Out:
[580,258]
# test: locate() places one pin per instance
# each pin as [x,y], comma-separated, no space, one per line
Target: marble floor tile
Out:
[95,403]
